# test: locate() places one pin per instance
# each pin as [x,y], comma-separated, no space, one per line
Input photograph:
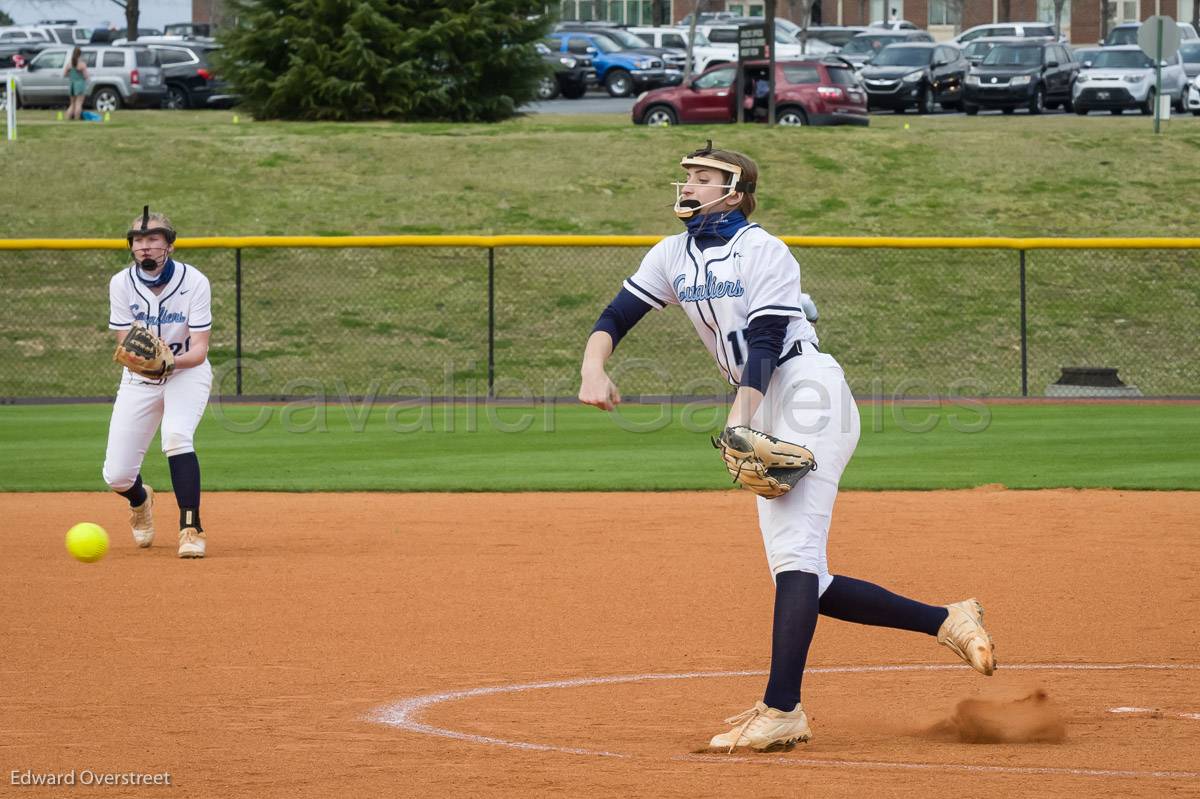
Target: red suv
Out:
[824,92]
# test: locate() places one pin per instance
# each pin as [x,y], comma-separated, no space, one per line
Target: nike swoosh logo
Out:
[183,292]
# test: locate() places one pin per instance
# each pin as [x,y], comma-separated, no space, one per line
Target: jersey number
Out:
[187,345]
[737,343]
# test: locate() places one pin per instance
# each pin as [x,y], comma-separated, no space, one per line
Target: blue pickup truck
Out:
[620,71]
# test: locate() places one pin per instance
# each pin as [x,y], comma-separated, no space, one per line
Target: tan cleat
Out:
[142,520]
[191,543]
[963,632]
[764,729]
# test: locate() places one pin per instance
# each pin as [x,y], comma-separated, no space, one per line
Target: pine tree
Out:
[460,60]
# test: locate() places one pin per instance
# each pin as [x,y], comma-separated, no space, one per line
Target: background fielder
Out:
[174,301]
[740,287]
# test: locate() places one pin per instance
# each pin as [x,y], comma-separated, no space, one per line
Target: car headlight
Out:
[972,80]
[644,64]
[1019,80]
[569,63]
[1081,78]
[913,77]
[1134,78]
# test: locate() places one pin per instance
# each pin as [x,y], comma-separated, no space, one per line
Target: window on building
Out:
[1045,12]
[945,12]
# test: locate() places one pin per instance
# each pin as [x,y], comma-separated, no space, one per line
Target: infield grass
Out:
[573,448]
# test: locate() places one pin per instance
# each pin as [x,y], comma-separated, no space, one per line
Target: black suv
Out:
[568,75]
[1020,73]
[915,74]
[864,46]
[188,72]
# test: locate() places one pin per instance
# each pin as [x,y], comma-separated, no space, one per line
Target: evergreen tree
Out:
[461,60]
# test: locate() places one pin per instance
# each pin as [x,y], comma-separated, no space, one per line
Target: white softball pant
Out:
[138,410]
[807,402]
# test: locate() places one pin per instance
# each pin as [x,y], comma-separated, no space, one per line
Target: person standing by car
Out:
[75,70]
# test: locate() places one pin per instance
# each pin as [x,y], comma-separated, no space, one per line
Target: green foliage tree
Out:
[5,19]
[460,60]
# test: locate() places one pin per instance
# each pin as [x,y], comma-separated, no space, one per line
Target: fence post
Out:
[237,282]
[491,369]
[1024,335]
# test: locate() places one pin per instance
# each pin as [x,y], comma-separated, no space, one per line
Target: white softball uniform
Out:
[177,401]
[724,288]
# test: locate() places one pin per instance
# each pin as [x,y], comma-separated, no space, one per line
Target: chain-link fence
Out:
[912,318]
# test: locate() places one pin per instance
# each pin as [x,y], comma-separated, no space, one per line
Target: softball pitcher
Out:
[161,310]
[740,287]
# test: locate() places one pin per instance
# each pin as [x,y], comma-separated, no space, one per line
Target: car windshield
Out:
[897,56]
[1190,52]
[869,44]
[978,49]
[605,44]
[1007,55]
[624,38]
[1124,35]
[1122,59]
[1087,53]
[700,40]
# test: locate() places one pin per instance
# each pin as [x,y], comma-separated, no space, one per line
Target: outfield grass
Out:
[989,175]
[574,448]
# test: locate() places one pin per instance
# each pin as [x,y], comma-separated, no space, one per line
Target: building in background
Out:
[1082,21]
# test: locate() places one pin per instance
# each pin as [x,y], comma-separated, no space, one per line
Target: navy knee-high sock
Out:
[136,493]
[185,479]
[796,604]
[861,602]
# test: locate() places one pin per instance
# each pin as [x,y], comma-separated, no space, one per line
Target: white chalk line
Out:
[403,715]
[1152,711]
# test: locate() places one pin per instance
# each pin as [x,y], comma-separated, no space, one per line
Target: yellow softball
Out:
[87,542]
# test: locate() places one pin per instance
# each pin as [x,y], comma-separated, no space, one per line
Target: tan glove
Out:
[762,463]
[145,353]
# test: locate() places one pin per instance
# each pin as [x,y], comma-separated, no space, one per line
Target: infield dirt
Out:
[258,671]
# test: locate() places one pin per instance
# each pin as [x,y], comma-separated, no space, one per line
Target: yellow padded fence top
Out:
[483,242]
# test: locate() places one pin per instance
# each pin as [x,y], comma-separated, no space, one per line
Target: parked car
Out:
[673,58]
[894,25]
[836,35]
[865,46]
[1021,30]
[1123,77]
[1127,33]
[568,75]
[189,30]
[1022,73]
[813,46]
[915,75]
[23,35]
[15,55]
[110,35]
[785,47]
[705,54]
[620,72]
[812,92]
[1193,96]
[117,76]
[1190,53]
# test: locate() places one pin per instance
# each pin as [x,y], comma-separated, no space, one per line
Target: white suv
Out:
[704,53]
[1025,30]
[117,76]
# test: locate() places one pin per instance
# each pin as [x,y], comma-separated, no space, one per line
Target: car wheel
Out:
[1037,104]
[177,99]
[1081,110]
[899,109]
[1147,107]
[1009,110]
[106,99]
[1067,105]
[547,88]
[970,109]
[573,91]
[925,104]
[619,83]
[1196,113]
[791,116]
[1181,106]
[1116,111]
[660,116]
